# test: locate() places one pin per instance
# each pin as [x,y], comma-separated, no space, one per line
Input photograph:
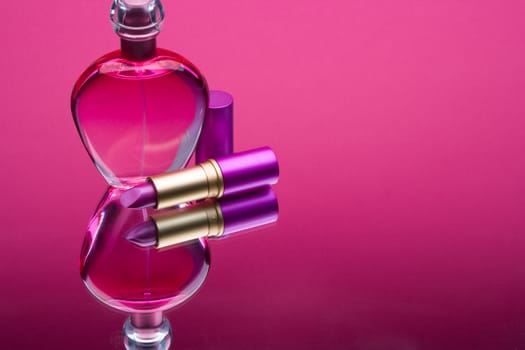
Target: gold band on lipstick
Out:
[202,181]
[203,220]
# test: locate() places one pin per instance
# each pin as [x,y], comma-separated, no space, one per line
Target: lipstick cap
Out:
[249,210]
[248,170]
[216,139]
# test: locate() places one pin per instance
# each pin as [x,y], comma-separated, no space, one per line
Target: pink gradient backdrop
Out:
[400,130]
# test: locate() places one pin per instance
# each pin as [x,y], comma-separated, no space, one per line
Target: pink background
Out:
[400,130]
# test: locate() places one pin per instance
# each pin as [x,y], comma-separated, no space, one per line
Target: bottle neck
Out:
[138,50]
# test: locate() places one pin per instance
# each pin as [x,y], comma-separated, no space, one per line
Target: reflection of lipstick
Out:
[223,176]
[208,219]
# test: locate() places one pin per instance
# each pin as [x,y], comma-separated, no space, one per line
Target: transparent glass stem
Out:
[150,331]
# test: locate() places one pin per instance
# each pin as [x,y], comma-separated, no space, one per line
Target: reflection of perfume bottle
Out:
[132,279]
[139,110]
[142,282]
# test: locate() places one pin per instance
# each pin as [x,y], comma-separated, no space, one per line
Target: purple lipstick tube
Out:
[216,139]
[215,178]
[248,211]
[247,170]
[211,219]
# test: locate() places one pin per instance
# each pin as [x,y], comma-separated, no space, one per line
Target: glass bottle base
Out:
[142,336]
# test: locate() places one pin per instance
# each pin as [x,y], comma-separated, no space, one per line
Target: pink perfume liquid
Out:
[139,117]
[134,279]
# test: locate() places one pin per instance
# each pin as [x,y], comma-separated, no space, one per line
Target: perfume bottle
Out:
[144,282]
[139,110]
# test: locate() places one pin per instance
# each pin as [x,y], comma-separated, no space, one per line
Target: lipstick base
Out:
[202,181]
[202,220]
